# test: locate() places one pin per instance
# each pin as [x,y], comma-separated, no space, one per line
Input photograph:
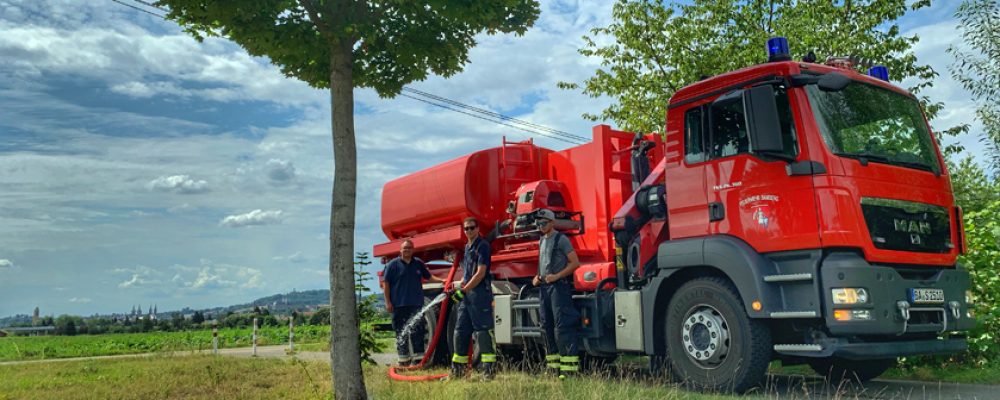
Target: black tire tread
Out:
[758,338]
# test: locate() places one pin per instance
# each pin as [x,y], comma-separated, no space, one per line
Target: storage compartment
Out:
[628,320]
[503,321]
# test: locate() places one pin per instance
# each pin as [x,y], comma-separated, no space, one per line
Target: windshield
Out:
[878,125]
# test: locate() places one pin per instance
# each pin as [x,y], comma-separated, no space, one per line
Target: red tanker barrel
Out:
[442,195]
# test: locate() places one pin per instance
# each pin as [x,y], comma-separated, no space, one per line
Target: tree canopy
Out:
[977,69]
[654,48]
[392,42]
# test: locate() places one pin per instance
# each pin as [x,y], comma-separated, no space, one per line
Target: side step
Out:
[794,314]
[798,348]
[808,276]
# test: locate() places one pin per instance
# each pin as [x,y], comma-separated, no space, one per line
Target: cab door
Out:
[685,173]
[760,199]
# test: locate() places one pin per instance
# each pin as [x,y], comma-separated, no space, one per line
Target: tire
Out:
[442,353]
[858,371]
[712,344]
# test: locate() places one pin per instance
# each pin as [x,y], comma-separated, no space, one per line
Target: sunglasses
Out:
[407,248]
[470,228]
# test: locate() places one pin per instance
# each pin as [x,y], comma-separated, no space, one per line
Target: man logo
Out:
[910,226]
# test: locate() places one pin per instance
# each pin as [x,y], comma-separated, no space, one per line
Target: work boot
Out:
[489,371]
[552,365]
[569,366]
[457,371]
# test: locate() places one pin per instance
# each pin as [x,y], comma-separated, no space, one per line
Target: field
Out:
[208,377]
[44,347]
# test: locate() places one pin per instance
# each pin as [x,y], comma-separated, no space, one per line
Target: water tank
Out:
[477,185]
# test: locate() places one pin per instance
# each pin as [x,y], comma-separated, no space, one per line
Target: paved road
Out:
[778,386]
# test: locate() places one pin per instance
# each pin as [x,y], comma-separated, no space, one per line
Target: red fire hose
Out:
[440,327]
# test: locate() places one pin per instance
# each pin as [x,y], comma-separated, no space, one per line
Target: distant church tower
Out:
[34,318]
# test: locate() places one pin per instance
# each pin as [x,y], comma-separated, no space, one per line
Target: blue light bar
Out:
[880,72]
[777,49]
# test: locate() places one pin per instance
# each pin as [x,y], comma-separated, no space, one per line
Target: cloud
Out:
[80,300]
[139,276]
[181,184]
[255,217]
[279,172]
[294,258]
[5,263]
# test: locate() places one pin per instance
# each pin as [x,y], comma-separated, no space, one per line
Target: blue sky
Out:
[138,166]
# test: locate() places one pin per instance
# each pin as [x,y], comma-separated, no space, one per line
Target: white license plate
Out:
[926,296]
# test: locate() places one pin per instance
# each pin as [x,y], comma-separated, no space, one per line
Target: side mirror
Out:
[764,123]
[833,82]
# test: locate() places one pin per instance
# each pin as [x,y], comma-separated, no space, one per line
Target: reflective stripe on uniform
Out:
[553,365]
[552,357]
[570,359]
[569,367]
[455,358]
[488,358]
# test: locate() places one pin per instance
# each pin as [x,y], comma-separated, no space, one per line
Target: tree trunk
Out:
[345,350]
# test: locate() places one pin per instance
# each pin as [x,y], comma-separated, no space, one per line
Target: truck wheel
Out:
[839,369]
[711,342]
[442,354]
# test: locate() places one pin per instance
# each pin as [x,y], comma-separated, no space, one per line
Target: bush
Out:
[983,262]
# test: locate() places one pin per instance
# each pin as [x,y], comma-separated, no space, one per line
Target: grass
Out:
[987,374]
[208,377]
[162,377]
[46,347]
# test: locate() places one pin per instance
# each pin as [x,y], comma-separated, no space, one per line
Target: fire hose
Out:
[429,353]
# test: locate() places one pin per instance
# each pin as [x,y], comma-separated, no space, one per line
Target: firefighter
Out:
[404,297]
[559,319]
[475,305]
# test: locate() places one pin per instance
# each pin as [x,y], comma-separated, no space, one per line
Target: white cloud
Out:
[80,300]
[181,184]
[5,263]
[255,217]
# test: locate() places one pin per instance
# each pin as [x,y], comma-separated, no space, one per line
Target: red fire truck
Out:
[792,210]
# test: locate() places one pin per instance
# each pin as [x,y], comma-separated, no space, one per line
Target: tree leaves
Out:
[977,68]
[652,49]
[394,42]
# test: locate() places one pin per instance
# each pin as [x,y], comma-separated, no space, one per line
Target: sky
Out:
[139,166]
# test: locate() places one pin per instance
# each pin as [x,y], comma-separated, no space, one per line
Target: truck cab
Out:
[820,197]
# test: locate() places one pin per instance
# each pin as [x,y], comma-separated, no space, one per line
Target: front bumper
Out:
[892,312]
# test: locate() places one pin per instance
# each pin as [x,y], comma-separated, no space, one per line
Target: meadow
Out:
[209,377]
[46,347]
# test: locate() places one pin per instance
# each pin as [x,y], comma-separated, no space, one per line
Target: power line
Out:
[151,5]
[430,98]
[140,9]
[496,114]
[528,130]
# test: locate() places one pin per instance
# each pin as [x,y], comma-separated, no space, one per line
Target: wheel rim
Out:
[705,336]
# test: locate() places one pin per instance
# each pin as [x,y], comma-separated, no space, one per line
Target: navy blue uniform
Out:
[475,312]
[406,293]
[560,320]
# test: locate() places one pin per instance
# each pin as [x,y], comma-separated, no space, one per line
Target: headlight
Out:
[850,296]
[852,315]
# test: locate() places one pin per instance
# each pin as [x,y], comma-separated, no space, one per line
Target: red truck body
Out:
[812,196]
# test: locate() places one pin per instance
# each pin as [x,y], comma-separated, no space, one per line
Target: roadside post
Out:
[254,338]
[291,334]
[215,337]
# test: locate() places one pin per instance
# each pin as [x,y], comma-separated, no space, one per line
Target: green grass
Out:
[210,377]
[162,377]
[45,347]
[987,374]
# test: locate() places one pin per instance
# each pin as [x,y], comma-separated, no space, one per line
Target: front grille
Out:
[907,226]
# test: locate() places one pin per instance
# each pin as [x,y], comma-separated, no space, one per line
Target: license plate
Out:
[926,296]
